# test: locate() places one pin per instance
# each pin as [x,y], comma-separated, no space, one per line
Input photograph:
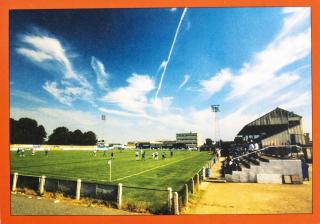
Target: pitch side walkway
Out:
[216,169]
[252,198]
[22,205]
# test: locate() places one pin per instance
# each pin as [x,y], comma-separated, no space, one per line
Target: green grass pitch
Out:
[159,174]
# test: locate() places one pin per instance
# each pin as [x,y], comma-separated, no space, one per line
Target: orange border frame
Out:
[6,5]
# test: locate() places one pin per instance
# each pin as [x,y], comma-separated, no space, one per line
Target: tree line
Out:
[27,131]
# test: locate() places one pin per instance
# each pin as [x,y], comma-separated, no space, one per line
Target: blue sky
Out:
[155,72]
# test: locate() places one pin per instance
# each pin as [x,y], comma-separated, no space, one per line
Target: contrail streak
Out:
[170,52]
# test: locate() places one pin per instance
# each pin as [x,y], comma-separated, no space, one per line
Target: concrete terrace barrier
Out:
[269,178]
[268,172]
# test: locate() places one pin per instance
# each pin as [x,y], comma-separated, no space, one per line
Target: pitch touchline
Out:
[151,169]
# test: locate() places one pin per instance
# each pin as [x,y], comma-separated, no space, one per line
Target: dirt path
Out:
[252,198]
[23,205]
[216,168]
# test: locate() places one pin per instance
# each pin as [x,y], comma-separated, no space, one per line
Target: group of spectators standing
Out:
[232,162]
[251,150]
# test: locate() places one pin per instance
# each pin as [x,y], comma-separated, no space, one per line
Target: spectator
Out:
[256,146]
[251,146]
[219,153]
[305,169]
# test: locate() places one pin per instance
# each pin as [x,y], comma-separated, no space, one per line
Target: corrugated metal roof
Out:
[271,123]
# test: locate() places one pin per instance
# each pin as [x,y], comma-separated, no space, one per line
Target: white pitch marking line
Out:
[71,178]
[152,169]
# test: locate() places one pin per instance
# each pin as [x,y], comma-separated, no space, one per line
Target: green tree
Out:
[76,137]
[89,138]
[15,133]
[60,136]
[41,134]
[209,142]
[208,145]
[26,131]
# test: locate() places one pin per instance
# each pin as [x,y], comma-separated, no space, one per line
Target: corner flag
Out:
[109,163]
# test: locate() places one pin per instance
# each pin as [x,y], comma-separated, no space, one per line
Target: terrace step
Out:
[243,167]
[216,180]
[245,163]
[253,161]
[264,158]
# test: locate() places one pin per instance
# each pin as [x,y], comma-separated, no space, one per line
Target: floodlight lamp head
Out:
[215,108]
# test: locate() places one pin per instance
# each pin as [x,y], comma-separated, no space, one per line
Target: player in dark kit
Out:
[143,156]
[163,155]
[46,152]
[112,155]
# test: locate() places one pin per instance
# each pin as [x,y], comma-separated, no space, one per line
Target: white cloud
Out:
[231,124]
[299,100]
[162,103]
[254,91]
[102,75]
[188,25]
[37,56]
[216,82]
[27,96]
[147,126]
[119,112]
[66,94]
[269,91]
[284,97]
[268,62]
[162,65]
[185,80]
[42,48]
[260,86]
[257,87]
[298,17]
[134,96]
[47,48]
[287,48]
[52,88]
